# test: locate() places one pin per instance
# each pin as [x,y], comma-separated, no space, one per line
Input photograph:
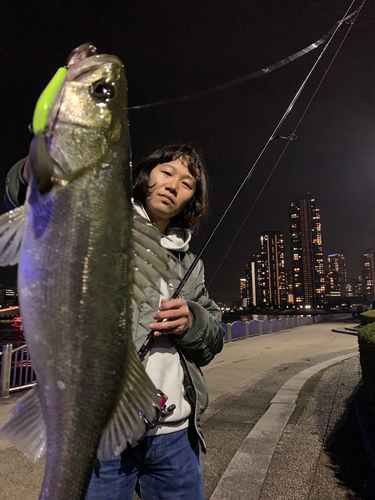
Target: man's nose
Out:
[172,186]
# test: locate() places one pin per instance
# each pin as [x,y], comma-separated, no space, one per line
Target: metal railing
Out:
[16,370]
[242,330]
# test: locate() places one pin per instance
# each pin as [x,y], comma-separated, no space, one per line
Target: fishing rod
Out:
[255,74]
[145,346]
[289,138]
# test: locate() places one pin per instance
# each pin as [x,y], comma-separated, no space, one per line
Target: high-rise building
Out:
[273,268]
[306,252]
[289,287]
[244,293]
[367,268]
[254,281]
[336,276]
[353,287]
[358,287]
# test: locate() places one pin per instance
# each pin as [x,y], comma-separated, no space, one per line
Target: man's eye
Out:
[186,184]
[166,173]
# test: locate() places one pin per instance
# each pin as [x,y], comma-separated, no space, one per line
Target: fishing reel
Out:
[161,413]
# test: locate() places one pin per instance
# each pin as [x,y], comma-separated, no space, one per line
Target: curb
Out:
[245,474]
[346,331]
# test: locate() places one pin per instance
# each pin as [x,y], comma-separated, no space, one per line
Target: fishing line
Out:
[289,138]
[251,76]
[142,351]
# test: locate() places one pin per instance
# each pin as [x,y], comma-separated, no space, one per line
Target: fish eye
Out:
[102,91]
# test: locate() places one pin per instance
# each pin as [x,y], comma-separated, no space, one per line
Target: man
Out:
[170,189]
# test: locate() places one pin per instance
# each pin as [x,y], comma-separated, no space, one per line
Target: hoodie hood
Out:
[176,238]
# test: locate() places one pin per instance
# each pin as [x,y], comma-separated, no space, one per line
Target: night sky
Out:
[175,48]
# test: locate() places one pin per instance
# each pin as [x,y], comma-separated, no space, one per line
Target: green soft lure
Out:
[46,100]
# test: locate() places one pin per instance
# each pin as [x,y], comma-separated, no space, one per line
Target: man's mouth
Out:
[165,197]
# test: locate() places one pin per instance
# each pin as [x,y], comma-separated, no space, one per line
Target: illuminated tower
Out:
[244,293]
[273,263]
[306,251]
[336,277]
[367,266]
[254,281]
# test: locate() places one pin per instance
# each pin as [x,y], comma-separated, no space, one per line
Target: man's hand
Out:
[177,317]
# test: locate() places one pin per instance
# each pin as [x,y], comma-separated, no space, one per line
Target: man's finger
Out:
[172,304]
[167,325]
[171,314]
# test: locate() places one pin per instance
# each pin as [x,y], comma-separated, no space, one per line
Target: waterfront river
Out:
[10,335]
[239,316]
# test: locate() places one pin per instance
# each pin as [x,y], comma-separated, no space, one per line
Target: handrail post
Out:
[229,332]
[6,365]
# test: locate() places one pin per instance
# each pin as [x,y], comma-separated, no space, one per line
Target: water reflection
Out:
[10,335]
[240,316]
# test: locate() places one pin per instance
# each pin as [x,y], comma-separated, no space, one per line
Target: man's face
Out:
[171,187]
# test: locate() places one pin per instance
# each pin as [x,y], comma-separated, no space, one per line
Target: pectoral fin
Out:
[26,429]
[12,226]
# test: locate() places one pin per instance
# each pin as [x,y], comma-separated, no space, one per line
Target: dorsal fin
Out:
[137,398]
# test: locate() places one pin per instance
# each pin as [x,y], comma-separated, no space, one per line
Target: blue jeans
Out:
[166,467]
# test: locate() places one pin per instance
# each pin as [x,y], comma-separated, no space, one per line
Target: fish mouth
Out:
[79,70]
[81,52]
[85,59]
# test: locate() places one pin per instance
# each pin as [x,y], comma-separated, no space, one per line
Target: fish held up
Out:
[84,261]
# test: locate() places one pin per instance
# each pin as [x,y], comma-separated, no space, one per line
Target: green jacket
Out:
[199,345]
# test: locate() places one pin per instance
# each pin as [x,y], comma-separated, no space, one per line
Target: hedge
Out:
[367,317]
[366,341]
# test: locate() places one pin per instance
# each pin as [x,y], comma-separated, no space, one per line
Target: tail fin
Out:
[26,429]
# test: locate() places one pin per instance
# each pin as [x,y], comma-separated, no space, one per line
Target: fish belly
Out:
[74,287]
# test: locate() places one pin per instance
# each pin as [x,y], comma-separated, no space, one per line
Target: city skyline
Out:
[311,280]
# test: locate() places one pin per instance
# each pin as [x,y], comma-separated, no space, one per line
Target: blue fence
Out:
[242,330]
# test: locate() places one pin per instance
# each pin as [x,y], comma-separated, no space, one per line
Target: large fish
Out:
[81,252]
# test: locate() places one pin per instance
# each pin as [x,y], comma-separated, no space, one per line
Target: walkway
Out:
[242,381]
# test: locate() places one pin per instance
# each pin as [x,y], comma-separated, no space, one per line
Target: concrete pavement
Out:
[242,381]
[257,450]
[246,376]
[244,362]
[320,455]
